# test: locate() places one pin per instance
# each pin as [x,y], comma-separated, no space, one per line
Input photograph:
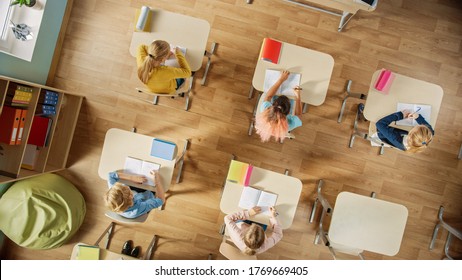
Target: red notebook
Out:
[38,131]
[270,50]
[9,125]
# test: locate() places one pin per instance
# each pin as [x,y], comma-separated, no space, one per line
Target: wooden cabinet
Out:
[53,155]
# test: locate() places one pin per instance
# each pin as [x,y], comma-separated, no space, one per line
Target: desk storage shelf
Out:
[53,155]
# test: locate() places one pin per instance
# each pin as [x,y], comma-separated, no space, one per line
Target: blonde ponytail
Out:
[157,51]
[254,238]
[418,138]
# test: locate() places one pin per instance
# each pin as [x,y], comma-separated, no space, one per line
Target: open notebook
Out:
[251,197]
[141,167]
[173,62]
[287,87]
[424,110]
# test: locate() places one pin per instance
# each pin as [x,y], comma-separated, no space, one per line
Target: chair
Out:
[183,91]
[122,219]
[369,136]
[451,232]
[349,94]
[337,251]
[230,251]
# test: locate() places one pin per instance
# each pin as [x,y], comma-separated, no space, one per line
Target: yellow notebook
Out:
[87,252]
[239,172]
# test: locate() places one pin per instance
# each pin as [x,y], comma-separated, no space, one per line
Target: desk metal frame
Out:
[451,232]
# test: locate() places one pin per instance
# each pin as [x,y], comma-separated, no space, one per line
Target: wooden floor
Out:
[417,38]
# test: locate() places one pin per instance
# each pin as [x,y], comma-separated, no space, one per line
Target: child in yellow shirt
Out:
[156,76]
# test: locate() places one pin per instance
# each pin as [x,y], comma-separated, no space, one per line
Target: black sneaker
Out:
[127,247]
[136,252]
[361,108]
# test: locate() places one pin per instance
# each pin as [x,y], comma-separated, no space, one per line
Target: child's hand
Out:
[255,210]
[284,75]
[297,91]
[274,212]
[138,179]
[406,113]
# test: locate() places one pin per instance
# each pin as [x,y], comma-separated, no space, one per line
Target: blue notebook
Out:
[163,149]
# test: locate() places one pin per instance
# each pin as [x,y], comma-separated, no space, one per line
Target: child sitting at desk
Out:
[274,118]
[251,239]
[156,76]
[129,203]
[413,141]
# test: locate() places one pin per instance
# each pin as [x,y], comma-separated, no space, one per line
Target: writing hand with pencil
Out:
[411,115]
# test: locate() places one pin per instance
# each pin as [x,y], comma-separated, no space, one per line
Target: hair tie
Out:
[150,55]
[424,143]
[279,107]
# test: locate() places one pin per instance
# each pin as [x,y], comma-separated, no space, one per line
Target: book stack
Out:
[163,149]
[239,173]
[21,96]
[47,102]
[87,252]
[12,125]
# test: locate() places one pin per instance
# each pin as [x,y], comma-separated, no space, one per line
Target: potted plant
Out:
[28,3]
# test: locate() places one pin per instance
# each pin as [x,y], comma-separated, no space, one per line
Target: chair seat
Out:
[374,138]
[121,219]
[233,253]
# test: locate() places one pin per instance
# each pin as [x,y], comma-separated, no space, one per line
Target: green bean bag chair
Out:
[42,212]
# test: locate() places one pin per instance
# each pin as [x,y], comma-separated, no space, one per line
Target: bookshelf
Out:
[53,155]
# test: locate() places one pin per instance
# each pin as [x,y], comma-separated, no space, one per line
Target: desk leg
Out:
[251,92]
[180,160]
[224,182]
[349,94]
[108,232]
[208,54]
[305,108]
[344,20]
[254,115]
[151,248]
[460,152]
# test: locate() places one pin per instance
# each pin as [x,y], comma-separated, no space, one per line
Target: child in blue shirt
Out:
[274,118]
[413,141]
[129,203]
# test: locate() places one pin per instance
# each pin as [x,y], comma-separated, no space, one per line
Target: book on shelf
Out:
[39,131]
[30,157]
[163,149]
[22,121]
[141,167]
[24,88]
[287,87]
[48,97]
[173,62]
[9,124]
[422,109]
[270,50]
[44,109]
[88,252]
[239,172]
[251,197]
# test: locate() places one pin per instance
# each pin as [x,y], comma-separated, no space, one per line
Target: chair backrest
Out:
[121,219]
[185,87]
[340,252]
[232,253]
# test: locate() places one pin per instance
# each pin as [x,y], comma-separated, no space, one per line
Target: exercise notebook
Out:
[287,87]
[141,167]
[424,110]
[239,172]
[251,197]
[270,50]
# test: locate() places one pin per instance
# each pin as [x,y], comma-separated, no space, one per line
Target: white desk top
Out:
[118,144]
[288,189]
[368,223]
[103,254]
[315,67]
[179,30]
[405,90]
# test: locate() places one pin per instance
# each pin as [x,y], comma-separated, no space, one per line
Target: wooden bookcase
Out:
[51,157]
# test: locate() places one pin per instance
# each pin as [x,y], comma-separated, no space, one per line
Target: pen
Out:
[417,111]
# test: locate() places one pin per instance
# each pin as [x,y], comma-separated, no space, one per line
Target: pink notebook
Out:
[384,81]
[247,175]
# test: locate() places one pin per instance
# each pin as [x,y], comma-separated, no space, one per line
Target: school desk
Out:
[315,69]
[286,187]
[179,30]
[119,144]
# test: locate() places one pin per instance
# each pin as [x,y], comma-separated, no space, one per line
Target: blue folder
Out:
[163,149]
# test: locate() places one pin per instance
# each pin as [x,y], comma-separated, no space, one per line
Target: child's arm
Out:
[160,192]
[274,88]
[392,134]
[298,102]
[421,120]
[132,177]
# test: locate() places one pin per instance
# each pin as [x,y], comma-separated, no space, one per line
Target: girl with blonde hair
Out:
[251,239]
[154,74]
[414,141]
[274,119]
[131,202]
